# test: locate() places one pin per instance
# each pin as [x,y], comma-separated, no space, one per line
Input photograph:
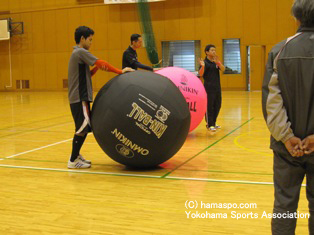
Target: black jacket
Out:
[130,60]
[288,88]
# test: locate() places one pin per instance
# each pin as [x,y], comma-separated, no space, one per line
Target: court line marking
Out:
[77,171]
[182,169]
[32,130]
[221,181]
[138,175]
[43,147]
[236,142]
[134,175]
[227,172]
[217,141]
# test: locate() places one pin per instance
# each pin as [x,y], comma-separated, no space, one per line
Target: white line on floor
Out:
[43,147]
[138,175]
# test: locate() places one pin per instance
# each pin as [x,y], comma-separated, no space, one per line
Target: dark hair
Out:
[82,31]
[135,37]
[207,48]
[303,10]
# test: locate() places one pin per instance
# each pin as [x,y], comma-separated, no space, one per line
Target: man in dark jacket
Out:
[288,107]
[130,56]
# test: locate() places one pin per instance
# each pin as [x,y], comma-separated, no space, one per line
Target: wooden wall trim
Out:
[56,8]
[5,12]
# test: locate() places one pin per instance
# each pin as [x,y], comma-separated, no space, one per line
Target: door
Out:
[256,67]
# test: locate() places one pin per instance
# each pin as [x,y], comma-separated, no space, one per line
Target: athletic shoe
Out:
[83,159]
[77,164]
[212,128]
[217,127]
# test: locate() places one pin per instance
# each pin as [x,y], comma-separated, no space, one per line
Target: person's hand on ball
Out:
[127,69]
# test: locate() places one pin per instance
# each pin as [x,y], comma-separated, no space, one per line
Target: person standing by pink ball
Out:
[209,70]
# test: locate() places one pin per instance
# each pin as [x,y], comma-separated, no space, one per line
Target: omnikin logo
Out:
[128,144]
[184,80]
[124,151]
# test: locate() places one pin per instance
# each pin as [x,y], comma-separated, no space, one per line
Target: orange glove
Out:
[101,64]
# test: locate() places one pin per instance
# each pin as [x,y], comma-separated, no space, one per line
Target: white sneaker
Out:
[78,163]
[84,160]
[217,126]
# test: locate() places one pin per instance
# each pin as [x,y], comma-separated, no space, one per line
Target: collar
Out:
[130,48]
[305,29]
[208,60]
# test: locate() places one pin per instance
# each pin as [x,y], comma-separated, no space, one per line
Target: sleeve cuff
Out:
[284,139]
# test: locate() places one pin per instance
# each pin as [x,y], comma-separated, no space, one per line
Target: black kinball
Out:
[140,119]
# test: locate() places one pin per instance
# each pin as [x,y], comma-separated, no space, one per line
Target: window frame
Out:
[240,56]
[196,54]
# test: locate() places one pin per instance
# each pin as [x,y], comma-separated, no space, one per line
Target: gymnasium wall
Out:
[41,54]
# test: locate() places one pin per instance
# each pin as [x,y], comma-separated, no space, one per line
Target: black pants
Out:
[213,106]
[289,173]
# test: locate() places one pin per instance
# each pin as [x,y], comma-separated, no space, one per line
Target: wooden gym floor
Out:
[39,195]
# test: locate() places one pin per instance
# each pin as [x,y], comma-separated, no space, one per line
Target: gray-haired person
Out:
[288,107]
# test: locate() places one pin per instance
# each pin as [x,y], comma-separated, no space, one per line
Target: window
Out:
[232,56]
[183,54]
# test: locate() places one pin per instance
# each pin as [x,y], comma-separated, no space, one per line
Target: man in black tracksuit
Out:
[288,107]
[209,70]
[129,58]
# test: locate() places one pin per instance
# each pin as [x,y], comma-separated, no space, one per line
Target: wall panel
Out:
[64,38]
[14,5]
[268,22]
[202,22]
[284,20]
[234,18]
[4,5]
[62,68]
[251,22]
[158,16]
[114,27]
[87,17]
[16,68]
[38,32]
[218,23]
[187,20]
[100,41]
[27,37]
[4,64]
[51,63]
[50,31]
[49,3]
[172,20]
[39,74]
[128,23]
[74,16]
[41,54]
[37,4]
[27,61]
[25,4]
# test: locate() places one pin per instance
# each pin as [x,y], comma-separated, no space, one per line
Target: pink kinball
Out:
[192,89]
